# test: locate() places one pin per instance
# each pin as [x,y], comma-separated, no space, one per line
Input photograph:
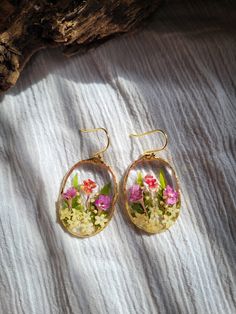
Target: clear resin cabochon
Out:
[152,195]
[87,198]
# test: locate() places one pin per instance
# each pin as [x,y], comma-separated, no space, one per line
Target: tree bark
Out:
[27,26]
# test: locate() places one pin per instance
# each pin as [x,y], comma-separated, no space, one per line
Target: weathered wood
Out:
[27,26]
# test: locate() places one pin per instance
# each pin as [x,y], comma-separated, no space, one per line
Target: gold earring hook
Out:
[100,152]
[153,151]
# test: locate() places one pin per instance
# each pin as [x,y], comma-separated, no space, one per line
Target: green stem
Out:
[86,203]
[69,202]
[141,202]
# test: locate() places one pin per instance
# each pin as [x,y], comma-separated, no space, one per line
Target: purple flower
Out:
[170,195]
[70,193]
[103,202]
[135,193]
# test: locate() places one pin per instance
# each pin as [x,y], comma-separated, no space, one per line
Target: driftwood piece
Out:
[27,26]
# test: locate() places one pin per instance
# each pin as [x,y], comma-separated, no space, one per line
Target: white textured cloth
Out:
[178,74]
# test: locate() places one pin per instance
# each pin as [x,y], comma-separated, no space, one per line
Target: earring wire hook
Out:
[100,152]
[153,151]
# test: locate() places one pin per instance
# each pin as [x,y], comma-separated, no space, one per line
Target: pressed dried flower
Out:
[151,181]
[88,186]
[101,220]
[170,195]
[103,202]
[135,193]
[69,194]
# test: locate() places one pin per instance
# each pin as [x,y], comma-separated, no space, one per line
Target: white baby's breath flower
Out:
[87,228]
[100,220]
[140,220]
[86,217]
[173,211]
[76,212]
[65,213]
[154,228]
[72,223]
[167,221]
[154,217]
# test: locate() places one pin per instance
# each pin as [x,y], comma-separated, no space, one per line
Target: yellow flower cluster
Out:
[157,221]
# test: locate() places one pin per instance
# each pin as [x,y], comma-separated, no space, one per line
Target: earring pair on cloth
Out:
[89,192]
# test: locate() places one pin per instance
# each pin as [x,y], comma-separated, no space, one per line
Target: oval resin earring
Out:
[151,191]
[87,195]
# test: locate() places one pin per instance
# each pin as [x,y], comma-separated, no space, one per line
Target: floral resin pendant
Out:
[152,196]
[87,198]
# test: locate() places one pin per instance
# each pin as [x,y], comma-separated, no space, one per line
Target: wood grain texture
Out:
[74,26]
[179,75]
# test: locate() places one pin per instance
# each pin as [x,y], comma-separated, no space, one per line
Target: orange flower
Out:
[88,186]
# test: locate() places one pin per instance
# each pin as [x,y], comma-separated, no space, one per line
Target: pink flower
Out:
[151,181]
[70,193]
[170,195]
[103,202]
[135,193]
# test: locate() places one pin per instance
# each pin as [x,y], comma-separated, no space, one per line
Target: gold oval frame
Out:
[95,161]
[147,158]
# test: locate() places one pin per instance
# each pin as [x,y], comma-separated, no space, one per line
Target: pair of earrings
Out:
[89,192]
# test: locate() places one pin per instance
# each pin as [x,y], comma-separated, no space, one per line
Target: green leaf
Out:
[160,194]
[74,201]
[162,179]
[137,208]
[79,207]
[106,189]
[75,181]
[139,179]
[148,200]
